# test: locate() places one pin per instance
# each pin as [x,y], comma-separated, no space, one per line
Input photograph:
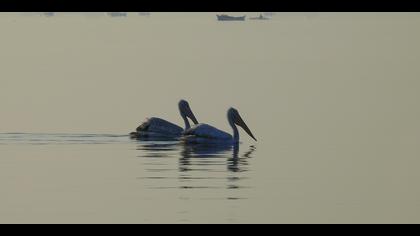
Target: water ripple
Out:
[61,138]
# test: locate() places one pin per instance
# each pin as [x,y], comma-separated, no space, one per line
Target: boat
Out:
[224,17]
[261,17]
[117,14]
[49,14]
[271,14]
[144,13]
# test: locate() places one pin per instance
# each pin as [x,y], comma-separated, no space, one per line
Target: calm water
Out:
[111,178]
[332,99]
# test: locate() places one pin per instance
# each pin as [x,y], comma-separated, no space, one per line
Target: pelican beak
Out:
[241,123]
[190,115]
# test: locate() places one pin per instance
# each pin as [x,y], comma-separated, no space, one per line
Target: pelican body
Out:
[204,133]
[157,127]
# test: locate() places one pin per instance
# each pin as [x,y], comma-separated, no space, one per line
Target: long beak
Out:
[190,114]
[241,123]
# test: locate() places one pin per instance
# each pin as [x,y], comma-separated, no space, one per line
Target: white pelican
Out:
[203,133]
[157,127]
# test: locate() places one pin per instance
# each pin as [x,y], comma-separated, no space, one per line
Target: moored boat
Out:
[144,13]
[49,14]
[117,14]
[225,17]
[260,17]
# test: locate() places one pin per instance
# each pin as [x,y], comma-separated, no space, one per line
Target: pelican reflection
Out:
[174,165]
[201,165]
[216,155]
[158,148]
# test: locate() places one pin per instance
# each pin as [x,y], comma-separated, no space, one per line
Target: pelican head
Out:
[233,115]
[185,110]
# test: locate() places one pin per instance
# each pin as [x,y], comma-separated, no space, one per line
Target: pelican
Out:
[157,127]
[204,133]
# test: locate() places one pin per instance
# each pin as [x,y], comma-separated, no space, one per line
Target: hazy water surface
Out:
[332,99]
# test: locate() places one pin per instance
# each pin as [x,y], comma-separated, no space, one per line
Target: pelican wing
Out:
[207,131]
[158,125]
